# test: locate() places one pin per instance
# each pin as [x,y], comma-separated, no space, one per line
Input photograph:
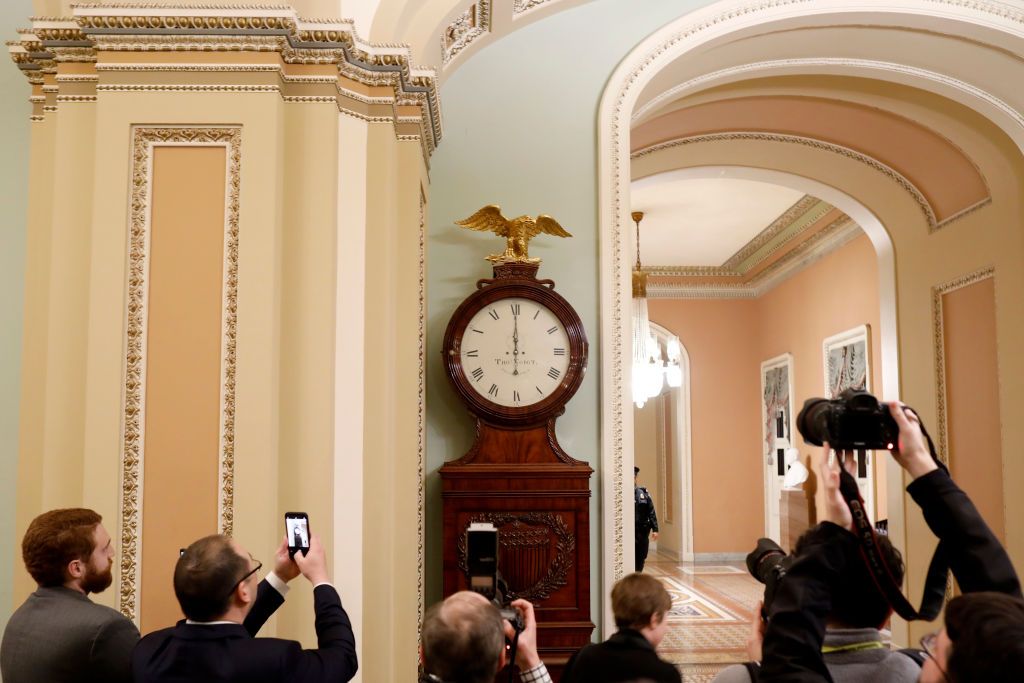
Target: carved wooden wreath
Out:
[565,547]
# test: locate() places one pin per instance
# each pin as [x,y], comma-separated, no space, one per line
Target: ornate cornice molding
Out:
[134,407]
[806,212]
[465,30]
[834,236]
[133,27]
[939,344]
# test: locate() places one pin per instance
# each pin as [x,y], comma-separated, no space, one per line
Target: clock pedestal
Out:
[539,499]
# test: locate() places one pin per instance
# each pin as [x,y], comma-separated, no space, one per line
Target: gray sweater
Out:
[873,661]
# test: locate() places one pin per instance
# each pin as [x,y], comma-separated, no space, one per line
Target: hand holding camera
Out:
[284,567]
[313,564]
[526,652]
[912,454]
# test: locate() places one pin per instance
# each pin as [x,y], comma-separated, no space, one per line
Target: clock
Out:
[515,351]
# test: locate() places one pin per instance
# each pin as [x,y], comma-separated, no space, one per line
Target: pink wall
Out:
[727,340]
[972,398]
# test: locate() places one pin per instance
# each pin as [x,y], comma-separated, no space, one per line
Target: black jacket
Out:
[228,652]
[626,656]
[796,629]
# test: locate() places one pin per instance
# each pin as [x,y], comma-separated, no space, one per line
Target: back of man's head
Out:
[636,598]
[205,575]
[54,539]
[857,601]
[463,638]
[987,635]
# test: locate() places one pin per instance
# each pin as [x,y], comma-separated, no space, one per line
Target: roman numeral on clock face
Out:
[493,391]
[493,313]
[552,330]
[559,352]
[478,374]
[554,373]
[515,309]
[515,396]
[476,352]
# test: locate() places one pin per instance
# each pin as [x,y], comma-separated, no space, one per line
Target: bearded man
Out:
[59,634]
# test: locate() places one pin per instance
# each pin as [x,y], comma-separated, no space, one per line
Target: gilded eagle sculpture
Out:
[517,232]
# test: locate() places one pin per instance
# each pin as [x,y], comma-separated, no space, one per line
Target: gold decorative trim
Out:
[939,345]
[76,98]
[799,209]
[132,456]
[467,28]
[521,6]
[183,87]
[98,27]
[421,427]
[830,238]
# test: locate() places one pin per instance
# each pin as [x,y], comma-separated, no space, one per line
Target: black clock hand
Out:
[515,344]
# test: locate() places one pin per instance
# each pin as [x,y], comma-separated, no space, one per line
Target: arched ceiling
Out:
[843,89]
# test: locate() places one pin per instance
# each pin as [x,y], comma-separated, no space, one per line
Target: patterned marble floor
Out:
[711,609]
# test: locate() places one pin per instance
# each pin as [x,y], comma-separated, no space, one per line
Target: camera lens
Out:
[812,422]
[763,559]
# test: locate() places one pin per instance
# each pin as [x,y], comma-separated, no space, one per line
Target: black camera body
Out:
[853,421]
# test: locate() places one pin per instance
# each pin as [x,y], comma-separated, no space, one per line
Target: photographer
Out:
[984,638]
[463,641]
[854,648]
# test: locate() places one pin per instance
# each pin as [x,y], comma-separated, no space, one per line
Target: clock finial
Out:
[517,232]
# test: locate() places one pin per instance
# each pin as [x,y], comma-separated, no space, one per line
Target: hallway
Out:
[711,609]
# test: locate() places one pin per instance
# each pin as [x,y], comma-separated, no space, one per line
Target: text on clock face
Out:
[515,352]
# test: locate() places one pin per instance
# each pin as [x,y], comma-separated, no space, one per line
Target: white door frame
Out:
[772,479]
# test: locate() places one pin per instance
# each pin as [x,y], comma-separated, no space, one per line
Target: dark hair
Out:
[987,635]
[857,602]
[463,640]
[205,575]
[54,539]
[636,598]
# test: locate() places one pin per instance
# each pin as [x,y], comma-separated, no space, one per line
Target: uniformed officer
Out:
[646,521]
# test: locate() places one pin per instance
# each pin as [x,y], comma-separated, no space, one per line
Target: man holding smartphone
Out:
[215,582]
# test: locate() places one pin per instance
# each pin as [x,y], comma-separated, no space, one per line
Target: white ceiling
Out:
[702,222]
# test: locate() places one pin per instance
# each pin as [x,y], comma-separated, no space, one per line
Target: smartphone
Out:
[296,529]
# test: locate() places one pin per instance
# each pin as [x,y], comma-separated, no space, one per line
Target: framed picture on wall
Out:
[776,432]
[847,360]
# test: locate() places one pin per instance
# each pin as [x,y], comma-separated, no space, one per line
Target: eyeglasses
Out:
[259,565]
[928,643]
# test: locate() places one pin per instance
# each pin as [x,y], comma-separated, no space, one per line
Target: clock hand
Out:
[515,344]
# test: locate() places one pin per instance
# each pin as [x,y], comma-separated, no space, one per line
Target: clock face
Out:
[515,352]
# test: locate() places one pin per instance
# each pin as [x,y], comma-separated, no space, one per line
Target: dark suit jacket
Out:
[626,656]
[59,635]
[228,653]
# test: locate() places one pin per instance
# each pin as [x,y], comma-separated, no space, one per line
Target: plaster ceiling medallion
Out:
[704,222]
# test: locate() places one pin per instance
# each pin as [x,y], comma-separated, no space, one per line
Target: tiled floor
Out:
[711,609]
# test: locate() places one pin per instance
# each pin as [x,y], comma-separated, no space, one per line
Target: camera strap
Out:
[935,582]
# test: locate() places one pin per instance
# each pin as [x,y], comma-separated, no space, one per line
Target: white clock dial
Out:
[515,352]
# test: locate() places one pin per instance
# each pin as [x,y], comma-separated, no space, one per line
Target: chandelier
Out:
[652,365]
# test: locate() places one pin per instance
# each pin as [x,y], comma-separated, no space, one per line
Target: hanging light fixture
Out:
[648,369]
[650,372]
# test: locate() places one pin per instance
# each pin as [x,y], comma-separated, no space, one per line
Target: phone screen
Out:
[296,528]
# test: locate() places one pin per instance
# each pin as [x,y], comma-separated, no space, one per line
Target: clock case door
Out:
[517,477]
